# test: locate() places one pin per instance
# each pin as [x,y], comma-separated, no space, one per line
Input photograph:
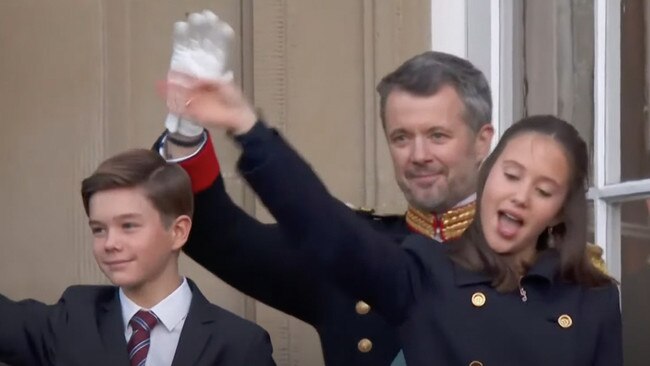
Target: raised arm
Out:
[347,249]
[363,261]
[253,257]
[26,332]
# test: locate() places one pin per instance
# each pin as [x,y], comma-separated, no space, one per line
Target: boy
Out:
[139,209]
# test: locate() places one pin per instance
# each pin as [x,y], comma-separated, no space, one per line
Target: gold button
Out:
[478,300]
[476,363]
[362,308]
[565,321]
[364,345]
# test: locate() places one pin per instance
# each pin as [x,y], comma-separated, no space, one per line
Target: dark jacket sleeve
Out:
[362,261]
[609,350]
[260,351]
[26,331]
[253,257]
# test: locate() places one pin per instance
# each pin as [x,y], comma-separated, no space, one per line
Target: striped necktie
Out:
[138,347]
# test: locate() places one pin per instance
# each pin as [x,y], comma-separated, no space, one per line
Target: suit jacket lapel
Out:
[111,330]
[197,330]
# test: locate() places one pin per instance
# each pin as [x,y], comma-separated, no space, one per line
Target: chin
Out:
[122,281]
[498,247]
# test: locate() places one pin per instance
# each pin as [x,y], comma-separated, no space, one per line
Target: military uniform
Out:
[263,262]
[446,315]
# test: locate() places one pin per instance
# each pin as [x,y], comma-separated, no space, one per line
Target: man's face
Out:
[132,246]
[435,153]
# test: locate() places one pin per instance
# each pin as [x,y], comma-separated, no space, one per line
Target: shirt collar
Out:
[471,198]
[170,311]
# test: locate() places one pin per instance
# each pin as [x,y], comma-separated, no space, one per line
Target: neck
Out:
[148,294]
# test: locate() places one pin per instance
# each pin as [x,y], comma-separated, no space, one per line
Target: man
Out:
[436,110]
[139,209]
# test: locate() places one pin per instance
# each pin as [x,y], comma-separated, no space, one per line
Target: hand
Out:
[216,104]
[199,52]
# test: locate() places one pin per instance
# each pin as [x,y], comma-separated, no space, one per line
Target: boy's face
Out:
[132,246]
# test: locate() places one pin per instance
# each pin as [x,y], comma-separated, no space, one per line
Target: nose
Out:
[521,195]
[112,242]
[420,152]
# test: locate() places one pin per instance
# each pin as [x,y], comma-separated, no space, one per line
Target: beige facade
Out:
[77,84]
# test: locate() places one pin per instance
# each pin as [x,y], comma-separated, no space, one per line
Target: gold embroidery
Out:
[449,225]
[595,255]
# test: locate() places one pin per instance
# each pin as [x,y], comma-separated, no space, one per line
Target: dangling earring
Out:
[550,241]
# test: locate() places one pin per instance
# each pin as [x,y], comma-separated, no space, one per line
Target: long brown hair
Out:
[569,237]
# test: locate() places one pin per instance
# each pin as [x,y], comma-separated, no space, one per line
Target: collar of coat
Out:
[544,269]
[445,226]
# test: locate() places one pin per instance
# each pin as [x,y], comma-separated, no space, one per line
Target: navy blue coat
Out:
[261,261]
[446,315]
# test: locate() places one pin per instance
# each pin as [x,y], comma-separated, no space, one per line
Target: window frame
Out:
[498,62]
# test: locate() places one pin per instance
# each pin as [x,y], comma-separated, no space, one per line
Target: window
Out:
[587,61]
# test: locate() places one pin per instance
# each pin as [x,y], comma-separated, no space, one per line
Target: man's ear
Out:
[483,141]
[180,231]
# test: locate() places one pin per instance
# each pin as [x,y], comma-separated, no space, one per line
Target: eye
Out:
[438,136]
[98,231]
[129,226]
[510,176]
[543,192]
[399,139]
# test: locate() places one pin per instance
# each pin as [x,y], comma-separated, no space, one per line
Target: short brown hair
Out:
[166,185]
[425,74]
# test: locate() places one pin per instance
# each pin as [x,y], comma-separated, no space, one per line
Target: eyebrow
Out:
[513,162]
[520,166]
[397,130]
[118,217]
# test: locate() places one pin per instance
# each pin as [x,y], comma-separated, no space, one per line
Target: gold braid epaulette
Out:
[449,225]
[595,255]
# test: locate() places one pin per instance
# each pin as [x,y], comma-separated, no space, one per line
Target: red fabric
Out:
[203,167]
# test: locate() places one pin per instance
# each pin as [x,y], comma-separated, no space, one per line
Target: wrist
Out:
[176,147]
[245,124]
[182,140]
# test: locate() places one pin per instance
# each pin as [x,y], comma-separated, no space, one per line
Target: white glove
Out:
[200,51]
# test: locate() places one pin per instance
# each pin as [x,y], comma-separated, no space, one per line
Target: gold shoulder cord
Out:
[447,226]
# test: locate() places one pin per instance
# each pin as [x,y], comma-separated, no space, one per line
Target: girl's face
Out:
[524,194]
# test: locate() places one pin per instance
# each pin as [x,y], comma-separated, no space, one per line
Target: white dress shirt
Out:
[171,312]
